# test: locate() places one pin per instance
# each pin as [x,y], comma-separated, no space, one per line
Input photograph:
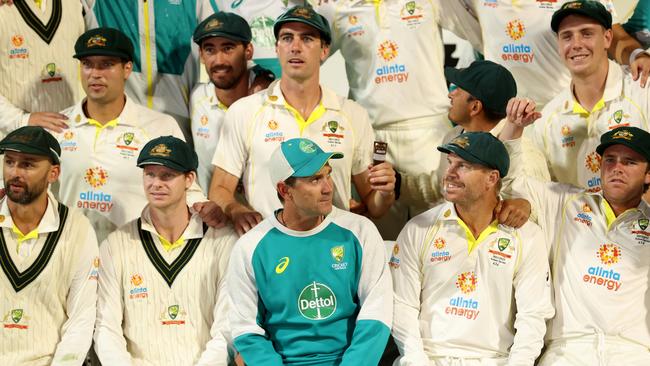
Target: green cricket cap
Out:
[486,81]
[223,24]
[298,157]
[169,151]
[589,8]
[307,15]
[480,148]
[104,41]
[632,137]
[32,140]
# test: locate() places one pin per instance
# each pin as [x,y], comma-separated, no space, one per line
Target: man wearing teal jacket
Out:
[312,282]
[165,62]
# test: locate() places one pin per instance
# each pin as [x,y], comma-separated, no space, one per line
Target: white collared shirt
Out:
[98,165]
[568,135]
[490,294]
[137,307]
[254,126]
[57,308]
[518,35]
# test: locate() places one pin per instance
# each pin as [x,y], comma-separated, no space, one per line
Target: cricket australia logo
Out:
[316,301]
[338,253]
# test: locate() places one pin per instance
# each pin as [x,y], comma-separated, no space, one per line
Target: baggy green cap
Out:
[169,151]
[487,81]
[592,9]
[104,41]
[223,24]
[632,137]
[32,140]
[307,15]
[480,148]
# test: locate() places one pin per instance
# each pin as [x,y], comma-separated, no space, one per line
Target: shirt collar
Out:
[273,95]
[49,222]
[613,89]
[194,229]
[126,118]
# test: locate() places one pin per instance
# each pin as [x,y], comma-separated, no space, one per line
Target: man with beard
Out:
[49,259]
[225,46]
[296,106]
[469,291]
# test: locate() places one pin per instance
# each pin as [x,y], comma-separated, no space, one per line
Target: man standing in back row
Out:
[296,106]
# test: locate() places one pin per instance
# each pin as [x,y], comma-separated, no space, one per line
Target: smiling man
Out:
[49,260]
[107,131]
[162,297]
[602,96]
[469,291]
[296,106]
[225,47]
[310,282]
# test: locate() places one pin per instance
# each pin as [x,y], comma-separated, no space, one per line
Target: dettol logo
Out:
[317,301]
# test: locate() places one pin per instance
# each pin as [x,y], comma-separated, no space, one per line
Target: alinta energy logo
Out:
[95,200]
[517,52]
[390,73]
[441,254]
[464,307]
[567,139]
[467,282]
[584,217]
[138,291]
[592,163]
[608,255]
[317,301]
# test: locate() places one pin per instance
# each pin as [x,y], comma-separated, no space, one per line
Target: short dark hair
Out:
[291,182]
[490,114]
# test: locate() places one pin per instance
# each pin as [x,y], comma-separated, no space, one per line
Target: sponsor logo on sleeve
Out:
[394,260]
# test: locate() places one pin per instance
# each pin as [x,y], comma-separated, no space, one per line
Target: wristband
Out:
[635,53]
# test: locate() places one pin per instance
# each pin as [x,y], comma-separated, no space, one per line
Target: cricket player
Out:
[225,47]
[296,106]
[602,96]
[310,284]
[394,59]
[162,298]
[165,63]
[469,291]
[478,103]
[261,15]
[516,35]
[49,259]
[38,78]
[598,251]
[107,132]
